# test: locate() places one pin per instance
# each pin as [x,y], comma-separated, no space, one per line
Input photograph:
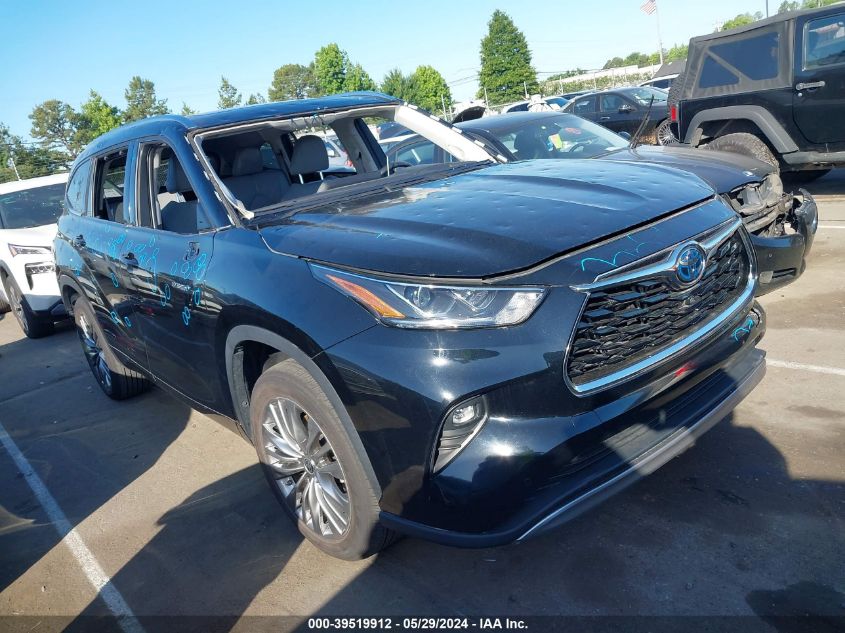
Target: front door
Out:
[618,114]
[820,78]
[173,306]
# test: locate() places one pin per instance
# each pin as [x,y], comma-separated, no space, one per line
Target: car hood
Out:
[486,222]
[31,236]
[725,171]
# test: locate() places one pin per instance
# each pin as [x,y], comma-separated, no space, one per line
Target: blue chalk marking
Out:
[174,268]
[186,315]
[746,327]
[115,318]
[127,321]
[197,296]
[114,281]
[612,263]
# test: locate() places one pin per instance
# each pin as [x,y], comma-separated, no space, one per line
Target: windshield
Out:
[558,136]
[32,207]
[644,94]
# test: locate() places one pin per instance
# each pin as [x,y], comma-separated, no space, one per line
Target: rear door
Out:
[819,98]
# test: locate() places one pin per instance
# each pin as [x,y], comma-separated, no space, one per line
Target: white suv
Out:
[28,213]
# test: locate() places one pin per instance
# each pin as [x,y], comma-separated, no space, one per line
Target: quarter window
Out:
[77,189]
[824,41]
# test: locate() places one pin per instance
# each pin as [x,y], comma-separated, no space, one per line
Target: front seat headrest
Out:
[309,155]
[176,181]
[527,145]
[247,161]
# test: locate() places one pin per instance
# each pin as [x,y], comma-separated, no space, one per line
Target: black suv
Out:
[773,90]
[466,351]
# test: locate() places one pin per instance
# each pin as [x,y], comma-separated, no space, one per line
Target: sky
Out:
[62,49]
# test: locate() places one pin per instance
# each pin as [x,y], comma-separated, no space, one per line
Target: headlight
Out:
[432,306]
[16,250]
[772,189]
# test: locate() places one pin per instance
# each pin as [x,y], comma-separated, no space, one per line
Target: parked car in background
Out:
[569,96]
[336,153]
[663,83]
[28,213]
[623,109]
[782,225]
[468,351]
[774,90]
[536,104]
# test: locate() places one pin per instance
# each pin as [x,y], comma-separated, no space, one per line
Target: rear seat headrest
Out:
[309,155]
[247,161]
[176,180]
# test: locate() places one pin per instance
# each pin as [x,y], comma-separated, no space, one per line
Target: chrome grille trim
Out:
[663,266]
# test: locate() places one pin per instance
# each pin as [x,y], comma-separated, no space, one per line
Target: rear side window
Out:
[824,41]
[714,74]
[417,154]
[268,157]
[755,57]
[611,103]
[111,185]
[77,189]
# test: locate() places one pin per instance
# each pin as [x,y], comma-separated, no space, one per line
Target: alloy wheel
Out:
[306,468]
[94,353]
[665,136]
[17,307]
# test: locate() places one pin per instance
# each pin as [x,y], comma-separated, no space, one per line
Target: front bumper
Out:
[782,259]
[544,453]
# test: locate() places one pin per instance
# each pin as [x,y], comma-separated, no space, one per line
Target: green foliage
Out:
[186,110]
[789,5]
[141,101]
[256,97]
[506,70]
[794,5]
[293,81]
[96,117]
[56,126]
[227,95]
[558,86]
[29,161]
[357,79]
[677,52]
[616,62]
[743,19]
[428,89]
[396,84]
[330,66]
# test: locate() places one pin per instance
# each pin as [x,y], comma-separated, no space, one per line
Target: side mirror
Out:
[624,135]
[625,109]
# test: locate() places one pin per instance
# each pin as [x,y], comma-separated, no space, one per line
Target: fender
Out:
[243,333]
[66,281]
[762,118]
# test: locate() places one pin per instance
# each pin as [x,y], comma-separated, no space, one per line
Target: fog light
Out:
[462,424]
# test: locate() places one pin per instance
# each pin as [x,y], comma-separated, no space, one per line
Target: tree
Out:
[330,65]
[293,81]
[788,5]
[227,95]
[428,89]
[141,101]
[96,117]
[255,97]
[506,70]
[616,62]
[56,126]
[18,159]
[395,84]
[357,79]
[677,52]
[743,19]
[187,110]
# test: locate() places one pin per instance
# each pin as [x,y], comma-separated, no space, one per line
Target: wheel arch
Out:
[281,347]
[731,119]
[68,287]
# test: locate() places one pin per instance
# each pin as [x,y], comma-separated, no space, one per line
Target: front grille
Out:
[625,324]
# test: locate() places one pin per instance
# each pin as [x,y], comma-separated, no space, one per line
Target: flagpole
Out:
[659,39]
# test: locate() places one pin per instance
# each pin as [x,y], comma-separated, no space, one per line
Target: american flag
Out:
[649,7]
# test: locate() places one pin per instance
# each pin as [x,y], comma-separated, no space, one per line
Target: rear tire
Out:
[33,326]
[664,134]
[746,144]
[116,380]
[314,467]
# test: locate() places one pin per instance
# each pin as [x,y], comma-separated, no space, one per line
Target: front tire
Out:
[116,380]
[32,325]
[746,144]
[312,464]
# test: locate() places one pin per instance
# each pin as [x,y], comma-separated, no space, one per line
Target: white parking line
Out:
[92,569]
[832,226]
[819,369]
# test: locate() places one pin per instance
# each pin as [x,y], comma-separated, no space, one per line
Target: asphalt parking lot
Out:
[170,514]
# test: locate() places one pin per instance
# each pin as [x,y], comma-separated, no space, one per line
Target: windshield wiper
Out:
[635,139]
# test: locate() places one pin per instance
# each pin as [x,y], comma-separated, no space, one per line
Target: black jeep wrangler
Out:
[774,90]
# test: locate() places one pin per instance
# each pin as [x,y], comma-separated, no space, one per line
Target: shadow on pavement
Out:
[831,184]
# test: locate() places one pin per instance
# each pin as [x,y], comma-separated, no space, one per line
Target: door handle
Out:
[129,260]
[604,118]
[79,241]
[810,85]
